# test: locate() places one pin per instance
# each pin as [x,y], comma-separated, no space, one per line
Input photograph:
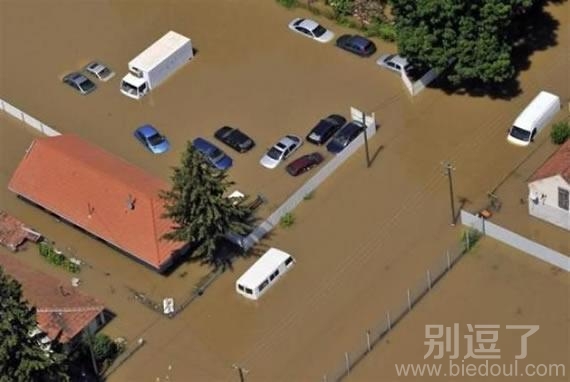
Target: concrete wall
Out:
[543,201]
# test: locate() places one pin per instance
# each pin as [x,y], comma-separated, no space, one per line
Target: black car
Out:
[304,163]
[344,136]
[356,44]
[234,138]
[325,129]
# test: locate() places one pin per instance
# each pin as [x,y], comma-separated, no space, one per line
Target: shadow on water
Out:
[536,30]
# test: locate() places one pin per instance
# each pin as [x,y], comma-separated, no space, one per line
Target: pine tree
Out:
[21,356]
[197,205]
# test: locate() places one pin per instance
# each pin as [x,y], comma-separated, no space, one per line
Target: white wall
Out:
[547,207]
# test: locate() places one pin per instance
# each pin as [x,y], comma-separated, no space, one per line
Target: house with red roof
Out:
[62,311]
[100,193]
[549,189]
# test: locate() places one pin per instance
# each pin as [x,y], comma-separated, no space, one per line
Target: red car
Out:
[304,163]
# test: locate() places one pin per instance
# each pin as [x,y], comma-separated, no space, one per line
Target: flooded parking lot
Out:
[364,237]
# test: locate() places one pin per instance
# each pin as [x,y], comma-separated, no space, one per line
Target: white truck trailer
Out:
[154,65]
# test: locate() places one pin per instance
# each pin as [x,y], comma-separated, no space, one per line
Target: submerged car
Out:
[281,151]
[345,136]
[394,62]
[304,163]
[356,44]
[149,136]
[325,129]
[212,153]
[100,71]
[311,29]
[79,82]
[234,138]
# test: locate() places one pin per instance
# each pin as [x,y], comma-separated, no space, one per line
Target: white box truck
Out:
[154,65]
[534,118]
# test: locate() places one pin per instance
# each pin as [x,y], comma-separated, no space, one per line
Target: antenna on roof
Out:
[131,202]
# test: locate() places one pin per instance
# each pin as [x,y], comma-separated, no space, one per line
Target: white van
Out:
[534,118]
[264,273]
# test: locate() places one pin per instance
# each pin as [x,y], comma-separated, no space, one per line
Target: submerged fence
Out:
[28,119]
[410,298]
[517,241]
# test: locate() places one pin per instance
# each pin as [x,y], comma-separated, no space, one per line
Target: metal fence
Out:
[517,241]
[390,318]
[307,188]
[28,119]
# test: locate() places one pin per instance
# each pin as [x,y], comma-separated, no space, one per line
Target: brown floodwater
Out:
[365,236]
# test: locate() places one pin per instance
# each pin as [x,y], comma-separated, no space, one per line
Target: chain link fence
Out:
[386,321]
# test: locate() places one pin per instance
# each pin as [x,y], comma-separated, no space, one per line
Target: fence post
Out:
[448,260]
[467,244]
[325,378]
[389,320]
[347,363]
[409,300]
[368,340]
[428,279]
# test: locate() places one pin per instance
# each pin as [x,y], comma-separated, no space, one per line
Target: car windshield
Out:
[87,85]
[216,154]
[104,72]
[518,133]
[155,139]
[274,153]
[319,31]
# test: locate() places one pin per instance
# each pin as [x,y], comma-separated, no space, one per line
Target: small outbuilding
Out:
[549,189]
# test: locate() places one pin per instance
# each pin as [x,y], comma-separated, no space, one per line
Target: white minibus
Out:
[264,273]
[534,118]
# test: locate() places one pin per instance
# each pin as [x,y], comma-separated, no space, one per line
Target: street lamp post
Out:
[448,168]
[366,140]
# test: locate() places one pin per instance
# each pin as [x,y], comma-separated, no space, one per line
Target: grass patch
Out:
[287,220]
[288,3]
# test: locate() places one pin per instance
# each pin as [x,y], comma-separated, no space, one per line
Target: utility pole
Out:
[241,372]
[448,168]
[366,140]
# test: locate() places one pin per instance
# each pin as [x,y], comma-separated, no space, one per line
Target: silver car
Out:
[99,70]
[281,151]
[311,29]
[80,83]
[394,62]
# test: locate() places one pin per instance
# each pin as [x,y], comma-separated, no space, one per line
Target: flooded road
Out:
[366,236]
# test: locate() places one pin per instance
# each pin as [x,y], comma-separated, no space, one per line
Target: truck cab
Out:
[133,86]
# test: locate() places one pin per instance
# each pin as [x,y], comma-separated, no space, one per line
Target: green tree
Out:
[201,213]
[475,36]
[21,356]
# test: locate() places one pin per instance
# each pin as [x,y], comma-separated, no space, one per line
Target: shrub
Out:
[560,133]
[342,7]
[288,3]
[470,237]
[385,31]
[287,220]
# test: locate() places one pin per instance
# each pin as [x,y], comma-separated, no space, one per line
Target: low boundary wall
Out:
[28,119]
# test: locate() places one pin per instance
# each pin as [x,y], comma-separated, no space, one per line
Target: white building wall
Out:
[543,201]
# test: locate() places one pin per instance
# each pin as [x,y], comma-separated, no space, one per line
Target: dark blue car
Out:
[344,136]
[152,139]
[356,44]
[214,155]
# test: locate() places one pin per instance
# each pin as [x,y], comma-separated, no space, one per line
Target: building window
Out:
[563,198]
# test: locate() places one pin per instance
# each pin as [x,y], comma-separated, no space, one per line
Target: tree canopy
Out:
[475,36]
[197,205]
[21,356]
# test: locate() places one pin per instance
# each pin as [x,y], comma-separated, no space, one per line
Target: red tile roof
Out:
[59,309]
[557,164]
[91,188]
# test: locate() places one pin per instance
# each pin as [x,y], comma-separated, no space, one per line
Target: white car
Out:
[394,62]
[102,72]
[311,29]
[281,151]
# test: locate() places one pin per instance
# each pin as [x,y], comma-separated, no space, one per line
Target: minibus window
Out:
[263,285]
[240,287]
[288,261]
[273,275]
[248,291]
[520,134]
